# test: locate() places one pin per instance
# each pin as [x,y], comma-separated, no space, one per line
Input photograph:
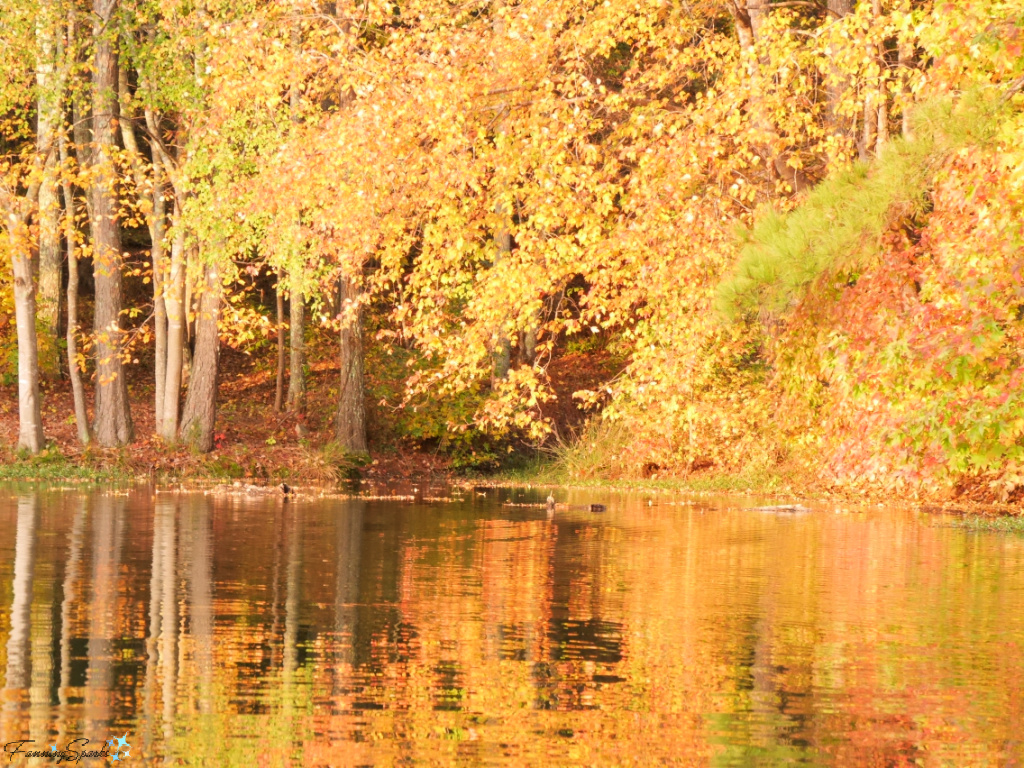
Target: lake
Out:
[457,629]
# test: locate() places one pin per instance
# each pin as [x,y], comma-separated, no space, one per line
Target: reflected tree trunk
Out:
[200,595]
[69,591]
[41,637]
[163,513]
[108,524]
[18,658]
[168,629]
[292,604]
[347,554]
[72,574]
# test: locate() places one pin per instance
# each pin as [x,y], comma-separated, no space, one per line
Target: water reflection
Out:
[230,631]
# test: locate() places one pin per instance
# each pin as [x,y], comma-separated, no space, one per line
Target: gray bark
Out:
[30,424]
[834,91]
[156,224]
[174,301]
[200,412]
[502,345]
[351,426]
[70,236]
[50,257]
[748,17]
[113,423]
[296,365]
[279,386]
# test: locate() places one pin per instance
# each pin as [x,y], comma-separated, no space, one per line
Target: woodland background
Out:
[654,238]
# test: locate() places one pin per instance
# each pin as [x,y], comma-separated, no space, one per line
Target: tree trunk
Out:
[200,412]
[158,229]
[296,366]
[502,346]
[834,90]
[113,422]
[882,95]
[867,139]
[74,373]
[906,62]
[174,300]
[50,267]
[30,424]
[50,260]
[279,387]
[156,223]
[748,18]
[351,427]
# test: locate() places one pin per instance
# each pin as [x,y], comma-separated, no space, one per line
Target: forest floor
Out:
[253,443]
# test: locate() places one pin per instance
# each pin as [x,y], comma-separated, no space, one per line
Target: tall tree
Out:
[199,415]
[351,421]
[48,101]
[17,210]
[112,419]
[71,244]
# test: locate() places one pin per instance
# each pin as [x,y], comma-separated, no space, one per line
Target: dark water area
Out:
[229,630]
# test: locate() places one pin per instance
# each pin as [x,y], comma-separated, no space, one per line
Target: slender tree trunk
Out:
[199,415]
[502,345]
[174,300]
[74,372]
[30,424]
[882,95]
[156,223]
[279,387]
[906,63]
[748,17]
[297,363]
[113,423]
[867,139]
[158,230]
[50,268]
[50,257]
[351,426]
[835,89]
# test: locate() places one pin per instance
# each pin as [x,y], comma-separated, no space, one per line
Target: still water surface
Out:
[231,631]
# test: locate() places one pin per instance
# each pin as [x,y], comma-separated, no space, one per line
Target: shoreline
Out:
[380,473]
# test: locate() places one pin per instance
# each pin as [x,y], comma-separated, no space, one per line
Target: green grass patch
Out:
[50,465]
[1003,524]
